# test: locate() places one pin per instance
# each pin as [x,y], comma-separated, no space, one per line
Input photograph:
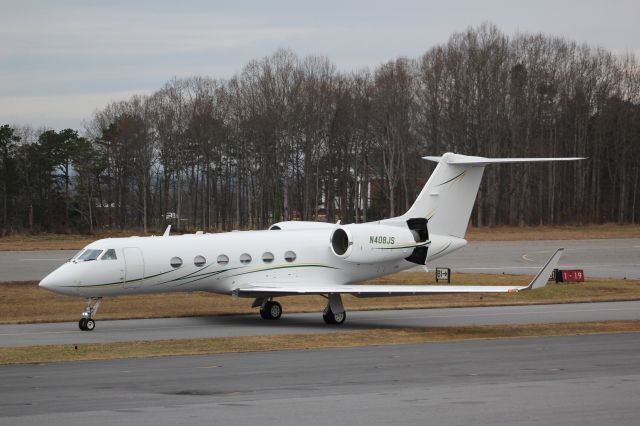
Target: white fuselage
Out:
[196,262]
[295,257]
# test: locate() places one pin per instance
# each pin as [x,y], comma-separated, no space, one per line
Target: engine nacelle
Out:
[369,243]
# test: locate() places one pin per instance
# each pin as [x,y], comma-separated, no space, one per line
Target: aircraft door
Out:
[134,267]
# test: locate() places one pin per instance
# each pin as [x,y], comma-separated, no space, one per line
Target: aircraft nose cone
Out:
[54,282]
[48,283]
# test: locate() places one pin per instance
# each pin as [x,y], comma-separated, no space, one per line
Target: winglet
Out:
[166,231]
[542,277]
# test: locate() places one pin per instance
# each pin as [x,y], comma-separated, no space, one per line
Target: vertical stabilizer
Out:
[447,198]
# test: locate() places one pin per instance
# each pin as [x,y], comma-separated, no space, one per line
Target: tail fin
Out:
[448,196]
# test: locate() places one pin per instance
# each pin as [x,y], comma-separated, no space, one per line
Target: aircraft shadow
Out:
[314,322]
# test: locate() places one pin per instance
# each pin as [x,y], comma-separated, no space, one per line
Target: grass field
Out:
[26,302]
[76,242]
[575,232]
[56,353]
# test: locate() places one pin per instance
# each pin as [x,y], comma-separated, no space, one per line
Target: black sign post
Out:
[443,274]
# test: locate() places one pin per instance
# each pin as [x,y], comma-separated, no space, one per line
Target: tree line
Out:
[294,138]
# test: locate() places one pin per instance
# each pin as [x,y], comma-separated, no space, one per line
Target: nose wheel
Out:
[87,323]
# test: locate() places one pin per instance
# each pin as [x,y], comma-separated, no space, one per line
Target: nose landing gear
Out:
[87,323]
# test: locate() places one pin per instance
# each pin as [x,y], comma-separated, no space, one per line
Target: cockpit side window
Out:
[89,254]
[109,255]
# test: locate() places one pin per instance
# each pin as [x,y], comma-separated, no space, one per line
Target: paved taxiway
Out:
[614,258]
[606,258]
[252,325]
[576,380]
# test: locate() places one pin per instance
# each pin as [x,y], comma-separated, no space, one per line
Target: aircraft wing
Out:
[369,290]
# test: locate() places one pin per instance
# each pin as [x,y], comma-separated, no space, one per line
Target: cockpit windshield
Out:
[89,254]
[76,256]
[109,255]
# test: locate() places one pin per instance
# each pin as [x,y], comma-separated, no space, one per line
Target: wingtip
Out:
[542,277]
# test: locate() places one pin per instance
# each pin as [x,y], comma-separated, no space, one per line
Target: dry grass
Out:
[25,302]
[21,242]
[56,353]
[502,233]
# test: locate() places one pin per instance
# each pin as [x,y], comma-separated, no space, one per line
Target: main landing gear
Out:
[330,317]
[333,313]
[87,323]
[270,310]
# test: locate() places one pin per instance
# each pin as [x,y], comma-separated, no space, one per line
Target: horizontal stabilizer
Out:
[482,161]
[369,290]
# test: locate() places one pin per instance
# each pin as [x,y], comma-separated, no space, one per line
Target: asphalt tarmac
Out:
[613,258]
[253,325]
[576,380]
[605,258]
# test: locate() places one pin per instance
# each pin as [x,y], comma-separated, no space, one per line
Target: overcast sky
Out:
[60,60]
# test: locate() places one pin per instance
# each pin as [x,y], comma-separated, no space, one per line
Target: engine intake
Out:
[340,241]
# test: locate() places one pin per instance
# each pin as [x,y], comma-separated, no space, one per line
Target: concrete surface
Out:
[577,380]
[253,325]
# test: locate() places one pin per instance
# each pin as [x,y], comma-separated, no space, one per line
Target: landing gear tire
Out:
[271,311]
[330,318]
[90,325]
[263,314]
[82,324]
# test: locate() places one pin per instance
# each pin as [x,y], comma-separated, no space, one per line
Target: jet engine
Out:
[370,243]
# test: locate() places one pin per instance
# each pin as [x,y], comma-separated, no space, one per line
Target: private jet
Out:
[295,257]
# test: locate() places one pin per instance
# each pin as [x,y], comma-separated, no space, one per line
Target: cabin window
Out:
[176,262]
[223,259]
[109,255]
[245,258]
[289,256]
[90,254]
[267,257]
[199,261]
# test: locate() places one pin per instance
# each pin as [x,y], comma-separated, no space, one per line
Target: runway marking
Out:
[526,255]
[494,267]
